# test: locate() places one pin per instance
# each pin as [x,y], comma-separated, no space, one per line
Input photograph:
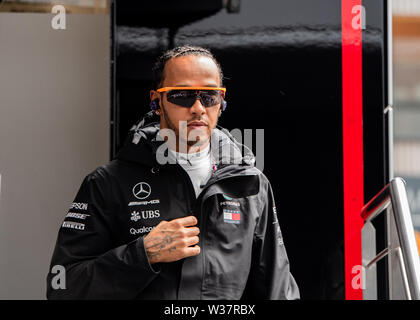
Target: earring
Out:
[224,105]
[154,105]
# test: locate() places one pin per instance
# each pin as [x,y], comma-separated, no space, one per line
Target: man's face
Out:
[189,71]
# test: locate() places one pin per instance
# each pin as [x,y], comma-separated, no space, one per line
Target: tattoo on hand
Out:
[153,255]
[159,243]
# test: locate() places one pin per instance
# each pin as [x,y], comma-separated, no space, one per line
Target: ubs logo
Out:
[145,214]
[142,190]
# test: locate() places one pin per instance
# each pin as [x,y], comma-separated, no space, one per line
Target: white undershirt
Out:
[197,165]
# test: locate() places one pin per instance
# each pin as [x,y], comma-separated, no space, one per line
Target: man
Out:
[180,213]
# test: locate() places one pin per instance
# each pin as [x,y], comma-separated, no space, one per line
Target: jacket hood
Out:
[144,145]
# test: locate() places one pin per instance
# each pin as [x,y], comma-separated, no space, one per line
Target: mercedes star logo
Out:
[142,190]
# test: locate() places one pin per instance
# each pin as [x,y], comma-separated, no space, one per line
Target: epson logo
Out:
[79,206]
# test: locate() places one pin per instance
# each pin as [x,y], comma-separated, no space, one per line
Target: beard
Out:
[184,139]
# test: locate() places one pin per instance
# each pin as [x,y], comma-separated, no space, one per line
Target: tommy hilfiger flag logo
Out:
[232,216]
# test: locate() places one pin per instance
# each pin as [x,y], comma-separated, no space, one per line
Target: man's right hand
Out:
[172,240]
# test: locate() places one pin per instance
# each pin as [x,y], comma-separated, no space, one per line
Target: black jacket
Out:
[100,243]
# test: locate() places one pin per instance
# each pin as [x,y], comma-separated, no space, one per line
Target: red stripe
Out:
[236,216]
[352,146]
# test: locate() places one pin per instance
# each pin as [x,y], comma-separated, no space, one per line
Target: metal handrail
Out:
[379,203]
[394,194]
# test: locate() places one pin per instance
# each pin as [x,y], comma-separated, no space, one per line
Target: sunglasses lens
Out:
[183,98]
[186,98]
[210,98]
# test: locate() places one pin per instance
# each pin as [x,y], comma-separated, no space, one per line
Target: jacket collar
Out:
[143,144]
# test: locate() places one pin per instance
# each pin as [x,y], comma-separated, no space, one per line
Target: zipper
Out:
[202,245]
[192,208]
[190,187]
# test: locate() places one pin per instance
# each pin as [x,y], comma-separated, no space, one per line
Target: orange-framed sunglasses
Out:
[186,96]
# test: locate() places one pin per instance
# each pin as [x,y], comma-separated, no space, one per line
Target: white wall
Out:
[54,129]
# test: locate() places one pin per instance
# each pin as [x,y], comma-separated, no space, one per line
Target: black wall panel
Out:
[282,62]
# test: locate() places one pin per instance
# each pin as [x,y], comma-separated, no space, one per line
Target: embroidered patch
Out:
[232,216]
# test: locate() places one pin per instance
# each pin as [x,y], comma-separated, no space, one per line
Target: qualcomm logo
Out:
[142,190]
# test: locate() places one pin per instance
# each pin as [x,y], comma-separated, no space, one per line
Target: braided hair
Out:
[180,51]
